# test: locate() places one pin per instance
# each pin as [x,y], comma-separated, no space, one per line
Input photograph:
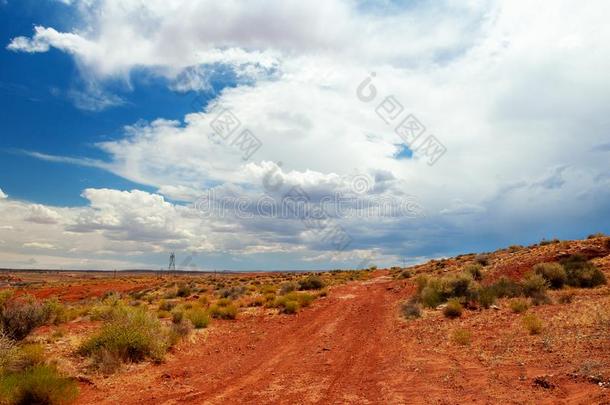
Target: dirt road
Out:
[351,347]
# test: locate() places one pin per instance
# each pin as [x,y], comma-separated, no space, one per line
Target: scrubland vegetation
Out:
[136,326]
[469,289]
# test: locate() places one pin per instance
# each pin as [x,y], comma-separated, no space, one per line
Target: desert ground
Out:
[367,336]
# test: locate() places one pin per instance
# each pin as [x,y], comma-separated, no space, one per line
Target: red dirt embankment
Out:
[351,347]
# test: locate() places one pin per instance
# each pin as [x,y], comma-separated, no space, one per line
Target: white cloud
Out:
[2,195]
[42,215]
[38,245]
[509,91]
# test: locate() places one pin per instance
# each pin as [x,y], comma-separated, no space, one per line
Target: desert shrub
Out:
[302,299]
[323,293]
[486,297]
[40,384]
[461,337]
[166,305]
[482,259]
[459,286]
[430,297]
[519,306]
[204,300]
[183,290]
[269,299]
[5,296]
[31,355]
[410,310]
[10,355]
[553,273]
[545,242]
[56,312]
[582,273]
[223,309]
[404,274]
[20,316]
[506,288]
[232,292]
[171,293]
[475,271]
[289,307]
[433,291]
[540,299]
[311,283]
[566,297]
[532,323]
[133,335]
[198,317]
[453,309]
[177,316]
[257,301]
[596,235]
[108,309]
[288,287]
[534,285]
[514,248]
[179,330]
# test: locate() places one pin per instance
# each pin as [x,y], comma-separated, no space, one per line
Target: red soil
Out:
[353,347]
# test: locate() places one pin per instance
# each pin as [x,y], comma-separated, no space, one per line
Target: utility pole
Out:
[172,263]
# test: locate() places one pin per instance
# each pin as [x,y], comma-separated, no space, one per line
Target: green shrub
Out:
[19,316]
[183,290]
[410,310]
[519,306]
[453,309]
[232,292]
[534,285]
[482,259]
[533,324]
[288,287]
[166,305]
[553,273]
[198,317]
[506,288]
[5,296]
[311,283]
[289,307]
[286,303]
[10,356]
[223,309]
[433,291]
[179,330]
[404,274]
[40,384]
[133,335]
[56,312]
[475,271]
[514,248]
[582,273]
[430,297]
[486,296]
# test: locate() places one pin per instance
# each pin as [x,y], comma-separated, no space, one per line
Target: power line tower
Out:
[172,263]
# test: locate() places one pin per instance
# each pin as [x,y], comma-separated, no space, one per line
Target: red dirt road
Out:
[351,347]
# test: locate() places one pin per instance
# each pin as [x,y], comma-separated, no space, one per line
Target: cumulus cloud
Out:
[509,92]
[2,195]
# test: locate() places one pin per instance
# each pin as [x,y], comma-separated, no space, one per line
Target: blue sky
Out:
[108,143]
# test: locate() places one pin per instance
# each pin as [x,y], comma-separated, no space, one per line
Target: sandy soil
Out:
[353,347]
